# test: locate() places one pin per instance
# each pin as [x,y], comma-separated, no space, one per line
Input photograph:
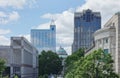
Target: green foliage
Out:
[95,65]
[49,63]
[71,61]
[6,77]
[2,66]
[44,76]
[15,76]
[74,57]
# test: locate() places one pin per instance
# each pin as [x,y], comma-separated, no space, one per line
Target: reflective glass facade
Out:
[44,39]
[85,24]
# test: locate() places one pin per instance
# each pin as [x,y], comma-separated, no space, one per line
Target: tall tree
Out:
[2,66]
[70,60]
[98,64]
[49,63]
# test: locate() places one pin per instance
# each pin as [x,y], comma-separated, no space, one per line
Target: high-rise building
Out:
[85,24]
[44,39]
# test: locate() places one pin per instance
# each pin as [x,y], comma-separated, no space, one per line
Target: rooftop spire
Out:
[52,22]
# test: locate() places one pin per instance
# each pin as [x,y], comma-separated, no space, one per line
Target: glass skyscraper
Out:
[85,24]
[44,39]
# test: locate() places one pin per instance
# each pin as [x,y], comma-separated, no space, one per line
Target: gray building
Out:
[44,39]
[21,58]
[85,24]
[108,38]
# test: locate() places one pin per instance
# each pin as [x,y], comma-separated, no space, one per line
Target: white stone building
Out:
[21,58]
[108,39]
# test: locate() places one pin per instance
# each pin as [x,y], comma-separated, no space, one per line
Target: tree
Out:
[70,61]
[98,64]
[2,66]
[49,63]
[74,57]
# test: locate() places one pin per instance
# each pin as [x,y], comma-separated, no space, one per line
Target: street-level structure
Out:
[21,58]
[108,39]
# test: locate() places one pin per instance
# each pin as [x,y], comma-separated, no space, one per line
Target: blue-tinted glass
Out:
[86,22]
[106,51]
[44,39]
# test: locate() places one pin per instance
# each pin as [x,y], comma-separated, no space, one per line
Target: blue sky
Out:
[18,17]
[30,16]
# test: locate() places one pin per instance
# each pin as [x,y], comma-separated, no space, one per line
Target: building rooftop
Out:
[79,14]
[61,51]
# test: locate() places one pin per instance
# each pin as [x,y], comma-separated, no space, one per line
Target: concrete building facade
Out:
[21,58]
[108,38]
[85,24]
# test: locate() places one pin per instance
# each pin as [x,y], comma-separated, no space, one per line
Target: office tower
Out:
[85,24]
[44,39]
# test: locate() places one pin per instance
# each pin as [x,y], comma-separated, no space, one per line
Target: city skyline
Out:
[18,17]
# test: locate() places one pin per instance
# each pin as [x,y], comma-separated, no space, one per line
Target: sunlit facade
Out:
[108,39]
[44,39]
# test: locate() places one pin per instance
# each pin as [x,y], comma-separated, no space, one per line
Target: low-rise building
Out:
[21,58]
[63,55]
[108,39]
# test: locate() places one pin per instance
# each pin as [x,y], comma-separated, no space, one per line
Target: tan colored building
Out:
[108,38]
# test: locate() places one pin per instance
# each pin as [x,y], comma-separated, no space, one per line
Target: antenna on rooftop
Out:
[52,21]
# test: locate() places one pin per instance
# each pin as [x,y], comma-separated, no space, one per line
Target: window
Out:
[99,41]
[52,29]
[106,51]
[105,40]
[113,24]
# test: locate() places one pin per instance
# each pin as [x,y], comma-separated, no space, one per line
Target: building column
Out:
[22,58]
[11,71]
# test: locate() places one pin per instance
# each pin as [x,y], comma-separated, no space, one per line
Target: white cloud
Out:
[2,14]
[107,7]
[43,26]
[12,3]
[19,4]
[3,32]
[4,40]
[8,17]
[27,36]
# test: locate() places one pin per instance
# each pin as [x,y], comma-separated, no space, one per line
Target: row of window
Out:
[105,40]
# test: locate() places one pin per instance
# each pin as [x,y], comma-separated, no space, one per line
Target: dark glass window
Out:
[88,17]
[106,51]
[77,22]
[84,17]
[52,28]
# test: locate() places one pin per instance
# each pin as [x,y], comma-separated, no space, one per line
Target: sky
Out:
[18,17]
